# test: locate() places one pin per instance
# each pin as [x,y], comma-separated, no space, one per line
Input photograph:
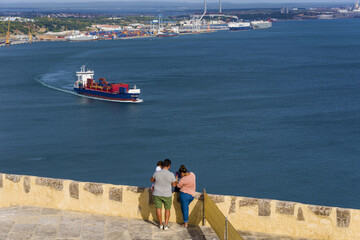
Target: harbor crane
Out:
[30,36]
[198,19]
[8,43]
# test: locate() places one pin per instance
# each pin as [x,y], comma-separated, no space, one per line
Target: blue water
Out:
[270,113]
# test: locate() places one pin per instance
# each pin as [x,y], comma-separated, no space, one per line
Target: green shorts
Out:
[158,201]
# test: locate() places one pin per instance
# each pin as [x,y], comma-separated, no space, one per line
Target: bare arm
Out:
[152,179]
[179,184]
[173,184]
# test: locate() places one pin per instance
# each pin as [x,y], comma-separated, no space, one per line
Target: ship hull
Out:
[238,28]
[81,39]
[113,97]
[167,35]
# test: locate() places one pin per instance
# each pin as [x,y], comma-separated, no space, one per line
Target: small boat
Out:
[103,90]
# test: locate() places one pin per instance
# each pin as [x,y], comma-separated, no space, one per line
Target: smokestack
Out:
[220,11]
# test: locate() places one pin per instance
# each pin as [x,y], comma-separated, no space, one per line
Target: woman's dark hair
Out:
[182,169]
[160,163]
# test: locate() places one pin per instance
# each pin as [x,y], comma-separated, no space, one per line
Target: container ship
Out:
[236,26]
[102,90]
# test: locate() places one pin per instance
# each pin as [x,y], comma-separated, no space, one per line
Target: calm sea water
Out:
[271,113]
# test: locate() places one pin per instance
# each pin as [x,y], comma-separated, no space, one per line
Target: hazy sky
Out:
[189,1]
[166,4]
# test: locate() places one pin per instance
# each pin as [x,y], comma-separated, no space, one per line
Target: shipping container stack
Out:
[103,85]
[121,34]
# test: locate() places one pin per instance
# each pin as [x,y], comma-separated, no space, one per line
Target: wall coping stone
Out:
[14,178]
[136,189]
[300,215]
[74,189]
[116,194]
[264,207]
[26,184]
[320,210]
[94,188]
[247,202]
[343,217]
[284,207]
[57,184]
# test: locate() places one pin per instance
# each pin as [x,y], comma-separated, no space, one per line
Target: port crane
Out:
[197,19]
[30,36]
[7,43]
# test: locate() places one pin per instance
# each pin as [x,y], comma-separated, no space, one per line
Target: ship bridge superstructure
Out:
[83,75]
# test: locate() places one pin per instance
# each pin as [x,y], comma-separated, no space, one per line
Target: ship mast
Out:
[7,43]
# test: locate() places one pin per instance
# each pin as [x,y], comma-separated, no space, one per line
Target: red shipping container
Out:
[89,82]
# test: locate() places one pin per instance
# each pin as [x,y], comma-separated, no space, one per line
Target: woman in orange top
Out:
[187,185]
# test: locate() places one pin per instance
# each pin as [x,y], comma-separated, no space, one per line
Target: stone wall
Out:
[246,214]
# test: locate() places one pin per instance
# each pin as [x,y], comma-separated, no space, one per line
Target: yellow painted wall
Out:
[246,214]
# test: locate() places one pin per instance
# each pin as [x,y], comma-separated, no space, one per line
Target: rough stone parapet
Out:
[57,184]
[300,215]
[299,219]
[199,196]
[264,207]
[283,207]
[26,184]
[247,202]
[217,198]
[232,208]
[136,189]
[94,188]
[343,217]
[320,210]
[13,178]
[115,194]
[74,190]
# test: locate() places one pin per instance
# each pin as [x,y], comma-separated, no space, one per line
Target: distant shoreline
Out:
[17,42]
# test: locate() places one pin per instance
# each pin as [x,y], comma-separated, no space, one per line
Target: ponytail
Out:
[182,169]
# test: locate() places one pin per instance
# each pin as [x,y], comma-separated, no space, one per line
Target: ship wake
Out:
[55,88]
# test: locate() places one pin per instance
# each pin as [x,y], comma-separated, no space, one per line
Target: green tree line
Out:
[46,24]
[15,27]
[60,24]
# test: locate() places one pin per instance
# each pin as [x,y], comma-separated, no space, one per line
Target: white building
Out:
[105,27]
[285,10]
[325,16]
[13,19]
[63,33]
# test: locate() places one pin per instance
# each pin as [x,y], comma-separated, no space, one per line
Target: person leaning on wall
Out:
[187,185]
[163,181]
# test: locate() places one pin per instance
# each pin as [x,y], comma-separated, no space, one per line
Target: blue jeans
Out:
[185,200]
